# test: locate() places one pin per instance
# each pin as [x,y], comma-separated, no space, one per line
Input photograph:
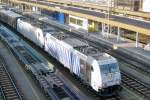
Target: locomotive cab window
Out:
[104,69]
[109,68]
[113,67]
[39,34]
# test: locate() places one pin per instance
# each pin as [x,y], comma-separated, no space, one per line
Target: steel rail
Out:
[7,84]
[136,85]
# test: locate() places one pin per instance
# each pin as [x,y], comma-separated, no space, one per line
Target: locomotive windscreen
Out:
[109,68]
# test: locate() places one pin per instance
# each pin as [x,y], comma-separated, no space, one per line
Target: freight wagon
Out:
[10,17]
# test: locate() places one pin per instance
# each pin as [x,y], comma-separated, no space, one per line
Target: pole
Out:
[109,6]
[137,38]
[36,7]
[102,28]
[108,12]
[118,35]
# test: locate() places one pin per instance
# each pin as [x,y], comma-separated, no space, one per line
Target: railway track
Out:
[1,93]
[142,67]
[136,85]
[8,87]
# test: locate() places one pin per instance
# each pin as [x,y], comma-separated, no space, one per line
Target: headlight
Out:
[100,87]
[118,81]
[104,84]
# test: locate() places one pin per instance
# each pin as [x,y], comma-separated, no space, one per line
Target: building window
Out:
[72,20]
[80,22]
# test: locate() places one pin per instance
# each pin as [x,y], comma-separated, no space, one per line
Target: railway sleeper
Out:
[10,86]
[138,86]
[13,97]
[11,94]
[2,69]
[137,82]
[6,83]
[141,92]
[127,79]
[6,88]
[145,91]
[3,74]
[8,92]
[5,79]
[126,82]
[142,89]
[133,83]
